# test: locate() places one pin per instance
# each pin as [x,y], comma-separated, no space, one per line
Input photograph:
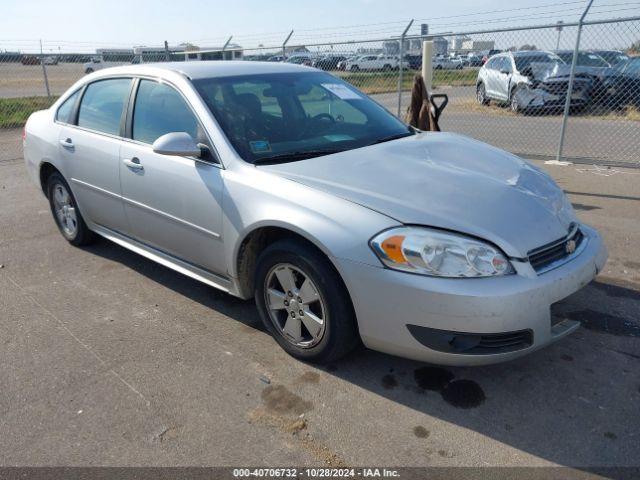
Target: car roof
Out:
[198,69]
[530,53]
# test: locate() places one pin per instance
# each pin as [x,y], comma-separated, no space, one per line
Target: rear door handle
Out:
[67,143]
[133,163]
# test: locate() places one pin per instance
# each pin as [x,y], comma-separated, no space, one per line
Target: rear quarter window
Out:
[65,111]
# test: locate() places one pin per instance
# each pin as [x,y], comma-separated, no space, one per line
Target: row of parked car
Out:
[376,62]
[538,80]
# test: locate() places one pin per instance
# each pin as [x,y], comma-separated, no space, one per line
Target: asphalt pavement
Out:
[110,359]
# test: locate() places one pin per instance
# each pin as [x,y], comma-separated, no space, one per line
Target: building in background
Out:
[477,45]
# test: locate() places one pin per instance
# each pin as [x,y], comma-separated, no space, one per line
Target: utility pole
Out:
[572,77]
[284,45]
[559,29]
[167,54]
[44,71]
[400,65]
[224,47]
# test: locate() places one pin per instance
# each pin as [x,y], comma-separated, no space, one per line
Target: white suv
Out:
[528,80]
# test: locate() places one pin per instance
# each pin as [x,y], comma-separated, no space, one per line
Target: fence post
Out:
[167,55]
[427,63]
[400,66]
[44,71]
[572,75]
[284,46]
[224,47]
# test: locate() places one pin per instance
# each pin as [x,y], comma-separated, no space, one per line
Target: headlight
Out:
[438,253]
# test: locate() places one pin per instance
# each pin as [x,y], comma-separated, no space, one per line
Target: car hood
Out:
[544,72]
[445,181]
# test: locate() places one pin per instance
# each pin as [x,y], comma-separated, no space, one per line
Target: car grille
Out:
[471,343]
[561,87]
[543,258]
[503,342]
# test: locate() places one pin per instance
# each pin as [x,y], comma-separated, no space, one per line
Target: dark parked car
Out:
[588,64]
[475,61]
[612,57]
[487,54]
[329,62]
[413,61]
[30,60]
[621,84]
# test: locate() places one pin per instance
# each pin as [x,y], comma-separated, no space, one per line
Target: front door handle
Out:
[67,143]
[133,163]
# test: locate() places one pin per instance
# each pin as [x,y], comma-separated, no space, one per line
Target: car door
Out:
[491,80]
[505,73]
[89,145]
[172,203]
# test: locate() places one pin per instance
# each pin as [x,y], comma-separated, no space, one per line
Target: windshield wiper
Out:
[293,156]
[392,137]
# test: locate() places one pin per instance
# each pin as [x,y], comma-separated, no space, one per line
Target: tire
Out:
[514,104]
[66,213]
[387,68]
[481,94]
[89,70]
[338,333]
[355,68]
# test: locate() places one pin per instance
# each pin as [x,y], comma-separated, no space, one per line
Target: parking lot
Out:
[111,359]
[605,137]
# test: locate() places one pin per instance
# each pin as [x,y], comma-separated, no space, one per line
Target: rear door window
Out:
[102,105]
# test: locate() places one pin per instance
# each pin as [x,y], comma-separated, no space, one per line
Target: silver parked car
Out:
[287,185]
[530,80]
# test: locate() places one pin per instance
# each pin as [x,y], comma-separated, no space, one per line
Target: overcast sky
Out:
[72,24]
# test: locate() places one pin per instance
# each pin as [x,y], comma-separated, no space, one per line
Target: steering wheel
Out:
[323,115]
[312,121]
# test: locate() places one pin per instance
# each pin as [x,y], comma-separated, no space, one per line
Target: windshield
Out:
[613,58]
[584,59]
[291,116]
[524,62]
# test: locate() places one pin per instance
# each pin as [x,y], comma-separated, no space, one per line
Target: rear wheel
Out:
[303,302]
[65,212]
[355,68]
[481,95]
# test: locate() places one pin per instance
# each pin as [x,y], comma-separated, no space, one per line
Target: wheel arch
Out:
[258,237]
[45,170]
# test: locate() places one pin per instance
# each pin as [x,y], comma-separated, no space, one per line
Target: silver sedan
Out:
[287,185]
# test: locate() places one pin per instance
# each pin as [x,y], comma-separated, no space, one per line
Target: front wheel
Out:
[303,302]
[65,212]
[514,103]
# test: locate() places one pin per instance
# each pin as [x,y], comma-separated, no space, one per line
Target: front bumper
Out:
[540,98]
[388,301]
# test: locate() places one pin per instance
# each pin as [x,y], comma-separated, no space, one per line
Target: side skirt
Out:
[167,260]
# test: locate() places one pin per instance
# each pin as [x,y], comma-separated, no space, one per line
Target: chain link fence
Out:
[506,87]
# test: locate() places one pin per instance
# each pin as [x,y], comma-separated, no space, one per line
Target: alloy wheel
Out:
[65,210]
[295,306]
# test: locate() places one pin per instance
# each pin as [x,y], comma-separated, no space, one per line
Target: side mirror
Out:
[177,143]
[505,71]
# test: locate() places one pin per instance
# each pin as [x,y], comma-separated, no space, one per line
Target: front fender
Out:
[255,199]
